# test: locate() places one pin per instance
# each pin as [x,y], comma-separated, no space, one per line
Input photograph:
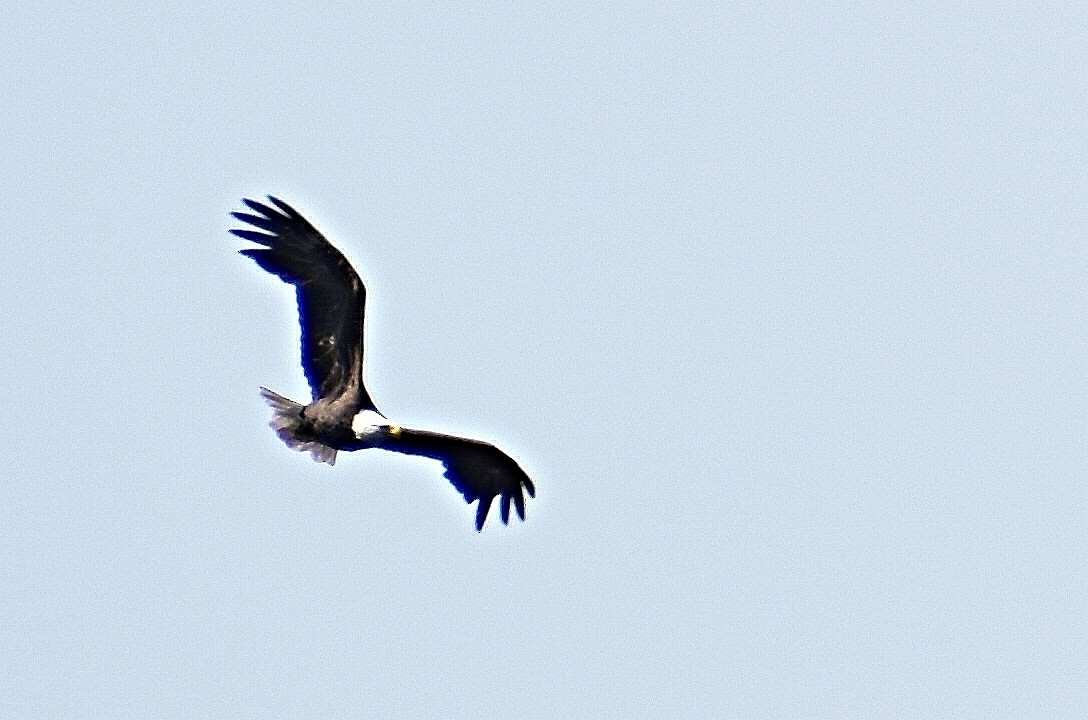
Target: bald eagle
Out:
[342,415]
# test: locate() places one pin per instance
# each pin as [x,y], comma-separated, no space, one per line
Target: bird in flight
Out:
[342,416]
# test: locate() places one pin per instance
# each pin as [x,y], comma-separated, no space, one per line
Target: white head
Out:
[366,423]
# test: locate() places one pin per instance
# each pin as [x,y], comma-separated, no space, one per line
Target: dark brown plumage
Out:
[342,416]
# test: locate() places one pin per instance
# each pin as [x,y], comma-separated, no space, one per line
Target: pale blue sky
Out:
[782,308]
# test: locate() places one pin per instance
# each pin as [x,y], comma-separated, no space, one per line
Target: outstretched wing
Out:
[331,296]
[479,470]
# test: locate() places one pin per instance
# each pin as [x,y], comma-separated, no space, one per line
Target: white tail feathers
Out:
[288,423]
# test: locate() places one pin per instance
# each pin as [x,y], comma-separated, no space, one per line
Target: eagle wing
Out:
[480,471]
[331,296]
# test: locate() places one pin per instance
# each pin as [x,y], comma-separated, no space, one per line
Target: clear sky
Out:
[782,308]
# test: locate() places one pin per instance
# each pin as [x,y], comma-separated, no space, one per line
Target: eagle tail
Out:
[289,424]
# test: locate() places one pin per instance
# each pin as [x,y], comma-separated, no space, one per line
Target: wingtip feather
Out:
[259,207]
[481,511]
[284,207]
[253,236]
